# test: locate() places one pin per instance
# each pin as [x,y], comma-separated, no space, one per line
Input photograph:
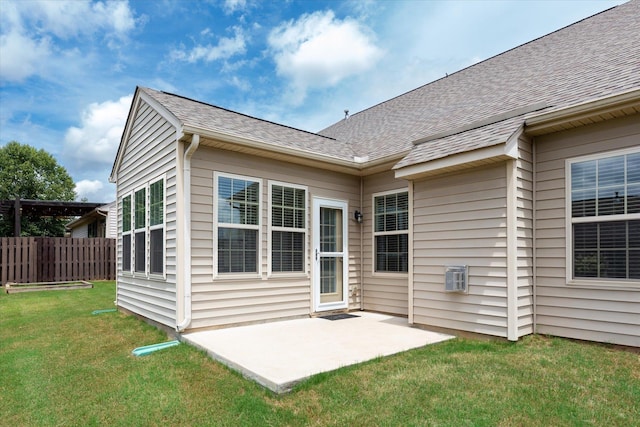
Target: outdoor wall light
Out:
[358,217]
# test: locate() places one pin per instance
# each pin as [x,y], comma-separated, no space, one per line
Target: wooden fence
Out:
[56,259]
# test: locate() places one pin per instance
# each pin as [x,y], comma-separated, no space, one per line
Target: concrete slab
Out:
[280,354]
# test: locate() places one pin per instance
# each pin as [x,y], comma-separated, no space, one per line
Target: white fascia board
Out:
[494,151]
[507,149]
[539,123]
[159,108]
[166,114]
[252,143]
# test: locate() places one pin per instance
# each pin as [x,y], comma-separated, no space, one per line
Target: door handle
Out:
[316,254]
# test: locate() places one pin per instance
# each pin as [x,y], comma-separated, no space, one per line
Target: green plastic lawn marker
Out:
[148,349]
[106,310]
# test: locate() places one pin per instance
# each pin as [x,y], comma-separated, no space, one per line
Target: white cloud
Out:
[65,19]
[31,31]
[89,189]
[22,56]
[226,48]
[231,6]
[319,50]
[96,141]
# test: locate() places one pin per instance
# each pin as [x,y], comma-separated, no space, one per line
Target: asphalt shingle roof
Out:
[210,117]
[595,57]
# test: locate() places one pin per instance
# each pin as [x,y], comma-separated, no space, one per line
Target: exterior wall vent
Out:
[455,278]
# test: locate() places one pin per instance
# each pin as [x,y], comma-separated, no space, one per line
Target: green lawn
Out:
[61,365]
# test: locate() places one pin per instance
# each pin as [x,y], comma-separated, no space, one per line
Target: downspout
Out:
[195,142]
[361,249]
[534,232]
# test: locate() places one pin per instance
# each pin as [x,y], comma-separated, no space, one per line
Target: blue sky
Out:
[68,70]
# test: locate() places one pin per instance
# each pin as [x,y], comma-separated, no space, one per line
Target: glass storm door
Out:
[330,254]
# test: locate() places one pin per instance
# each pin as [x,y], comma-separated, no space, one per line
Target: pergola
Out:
[53,208]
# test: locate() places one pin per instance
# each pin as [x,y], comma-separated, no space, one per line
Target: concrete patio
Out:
[280,354]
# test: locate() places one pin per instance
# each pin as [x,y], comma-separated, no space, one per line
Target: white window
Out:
[237,220]
[156,227]
[126,233]
[143,221]
[288,222]
[140,231]
[390,231]
[604,212]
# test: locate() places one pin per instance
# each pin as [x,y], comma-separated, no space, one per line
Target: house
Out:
[100,222]
[513,183]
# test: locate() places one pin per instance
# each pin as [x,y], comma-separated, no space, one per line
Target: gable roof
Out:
[478,108]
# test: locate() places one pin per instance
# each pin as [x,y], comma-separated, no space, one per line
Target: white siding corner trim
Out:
[512,251]
[410,301]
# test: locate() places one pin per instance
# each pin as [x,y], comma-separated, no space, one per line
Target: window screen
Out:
[605,208]
[288,222]
[391,225]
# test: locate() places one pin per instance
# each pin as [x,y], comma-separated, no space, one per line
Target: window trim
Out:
[374,234]
[129,232]
[162,226]
[596,282]
[144,229]
[226,276]
[270,229]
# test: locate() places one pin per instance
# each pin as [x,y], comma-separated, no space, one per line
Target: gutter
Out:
[356,164]
[547,121]
[195,143]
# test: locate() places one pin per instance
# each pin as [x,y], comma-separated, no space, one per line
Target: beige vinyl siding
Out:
[150,154]
[80,231]
[226,301]
[460,219]
[111,227]
[384,292]
[590,313]
[524,193]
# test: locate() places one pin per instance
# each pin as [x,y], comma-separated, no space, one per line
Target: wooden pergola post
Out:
[17,215]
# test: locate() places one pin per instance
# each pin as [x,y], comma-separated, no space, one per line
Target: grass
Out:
[61,365]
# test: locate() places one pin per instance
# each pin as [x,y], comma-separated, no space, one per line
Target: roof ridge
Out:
[476,64]
[241,114]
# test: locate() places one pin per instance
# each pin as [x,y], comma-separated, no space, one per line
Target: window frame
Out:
[217,225]
[136,231]
[570,221]
[129,233]
[161,225]
[374,233]
[304,230]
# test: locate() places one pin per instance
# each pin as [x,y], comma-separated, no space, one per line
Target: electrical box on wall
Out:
[456,278]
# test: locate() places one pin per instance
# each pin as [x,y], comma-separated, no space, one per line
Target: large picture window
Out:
[391,232]
[126,233]
[288,207]
[605,216]
[140,222]
[237,205]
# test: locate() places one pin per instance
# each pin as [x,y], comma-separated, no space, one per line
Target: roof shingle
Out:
[205,116]
[592,58]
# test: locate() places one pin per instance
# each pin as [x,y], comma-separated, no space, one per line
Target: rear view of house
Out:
[503,199]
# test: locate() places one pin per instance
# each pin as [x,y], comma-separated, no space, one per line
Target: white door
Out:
[330,256]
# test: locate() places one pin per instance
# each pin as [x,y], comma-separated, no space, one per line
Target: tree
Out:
[29,173]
